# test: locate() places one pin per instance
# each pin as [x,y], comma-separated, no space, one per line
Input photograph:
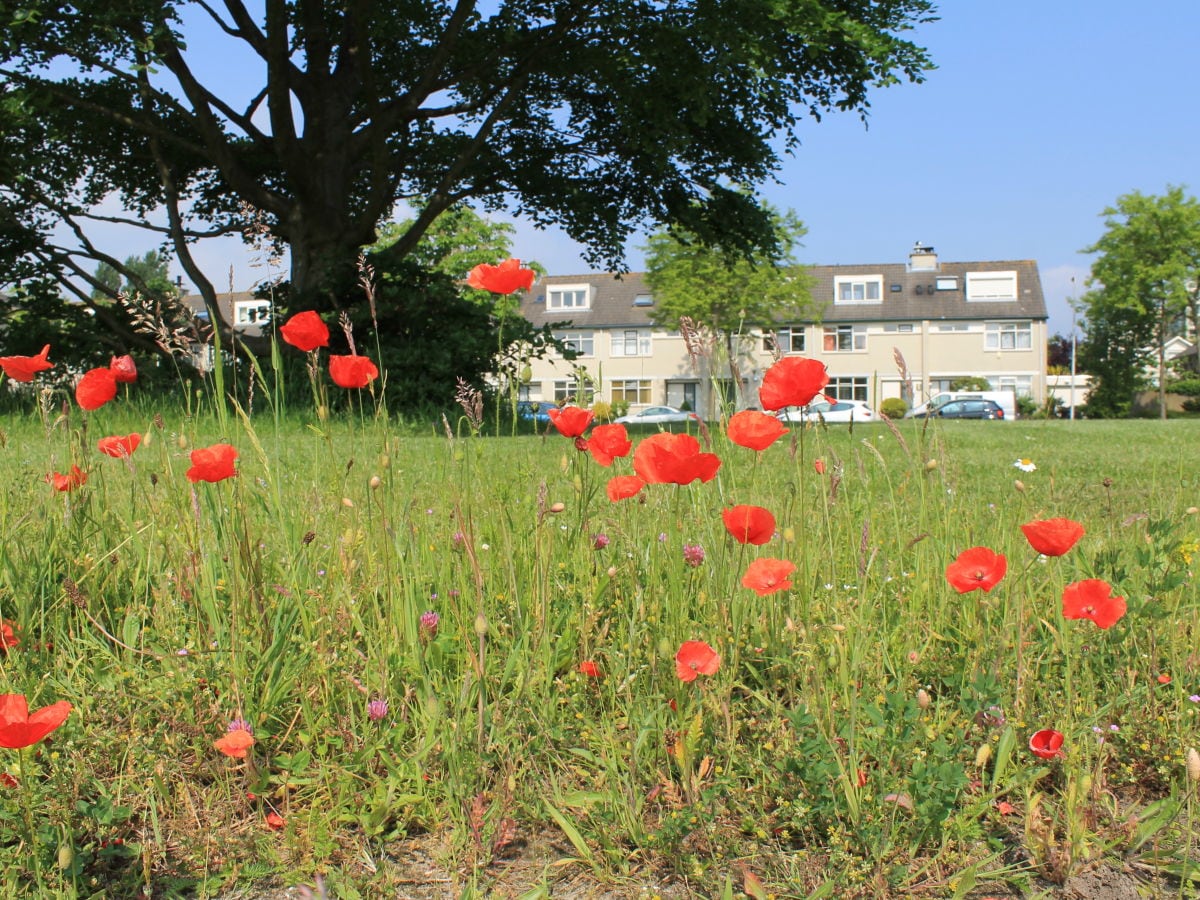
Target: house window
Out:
[847,387]
[858,288]
[991,285]
[569,391]
[947,283]
[788,339]
[899,328]
[1008,336]
[568,296]
[1022,385]
[844,338]
[251,312]
[631,390]
[643,300]
[952,326]
[631,342]
[580,341]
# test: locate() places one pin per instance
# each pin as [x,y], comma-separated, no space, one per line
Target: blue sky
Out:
[1040,114]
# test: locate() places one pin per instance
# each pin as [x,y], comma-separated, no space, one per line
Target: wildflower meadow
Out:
[381,658]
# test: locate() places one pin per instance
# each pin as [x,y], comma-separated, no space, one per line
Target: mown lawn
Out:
[866,732]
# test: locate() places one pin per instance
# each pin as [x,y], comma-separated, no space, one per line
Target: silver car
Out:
[656,415]
[840,411]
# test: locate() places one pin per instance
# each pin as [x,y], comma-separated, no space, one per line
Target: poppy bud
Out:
[982,755]
[557,507]
[66,856]
[481,625]
[1193,764]
[1192,510]
[931,465]
[923,698]
[375,482]
[385,461]
[1019,485]
[581,444]
[348,503]
[612,571]
[181,442]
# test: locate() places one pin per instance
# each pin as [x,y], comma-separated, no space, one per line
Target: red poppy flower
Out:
[73,479]
[696,658]
[1092,599]
[305,331]
[673,459]
[622,487]
[792,381]
[755,430]
[1046,743]
[352,371]
[124,369]
[609,442]
[118,447]
[819,466]
[589,668]
[274,821]
[213,463]
[96,388]
[235,743]
[571,421]
[8,637]
[749,524]
[23,368]
[976,569]
[8,781]
[766,576]
[1052,537]
[19,729]
[502,279]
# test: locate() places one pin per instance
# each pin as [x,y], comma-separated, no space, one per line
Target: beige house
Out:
[946,320]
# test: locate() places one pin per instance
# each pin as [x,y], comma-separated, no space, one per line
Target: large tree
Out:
[597,115]
[1146,289]
[725,290]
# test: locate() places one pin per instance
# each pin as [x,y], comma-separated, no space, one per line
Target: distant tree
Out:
[971,383]
[721,288]
[1058,353]
[147,274]
[600,116]
[1146,290]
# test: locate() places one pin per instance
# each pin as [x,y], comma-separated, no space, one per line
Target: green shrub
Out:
[893,408]
[1188,387]
[970,383]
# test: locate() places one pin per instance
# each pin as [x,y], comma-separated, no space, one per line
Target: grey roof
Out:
[613,296]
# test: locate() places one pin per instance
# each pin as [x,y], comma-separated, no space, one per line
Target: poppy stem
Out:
[26,757]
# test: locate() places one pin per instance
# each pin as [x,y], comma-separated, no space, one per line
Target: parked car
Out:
[839,411]
[535,411]
[657,415]
[1006,400]
[966,409]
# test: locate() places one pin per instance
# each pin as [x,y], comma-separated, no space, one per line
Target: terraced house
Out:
[945,320]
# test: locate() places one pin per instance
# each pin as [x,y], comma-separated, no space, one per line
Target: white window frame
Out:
[569,390]
[1021,385]
[991,286]
[1004,337]
[900,328]
[630,342]
[785,338]
[857,338]
[569,296]
[583,342]
[634,391]
[847,387]
[859,288]
[245,313]
[947,282]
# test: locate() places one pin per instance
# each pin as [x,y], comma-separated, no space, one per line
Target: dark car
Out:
[535,411]
[968,409]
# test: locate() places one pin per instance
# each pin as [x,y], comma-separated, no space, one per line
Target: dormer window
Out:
[643,300]
[569,296]
[857,289]
[251,312]
[991,285]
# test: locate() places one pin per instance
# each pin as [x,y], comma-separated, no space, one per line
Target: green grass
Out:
[839,745]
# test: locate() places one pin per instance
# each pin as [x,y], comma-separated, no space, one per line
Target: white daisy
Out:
[1025,465]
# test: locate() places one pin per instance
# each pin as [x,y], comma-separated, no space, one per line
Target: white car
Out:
[657,415]
[839,411]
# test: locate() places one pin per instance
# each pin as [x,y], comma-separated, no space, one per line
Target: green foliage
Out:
[396,101]
[1188,387]
[1147,278]
[893,408]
